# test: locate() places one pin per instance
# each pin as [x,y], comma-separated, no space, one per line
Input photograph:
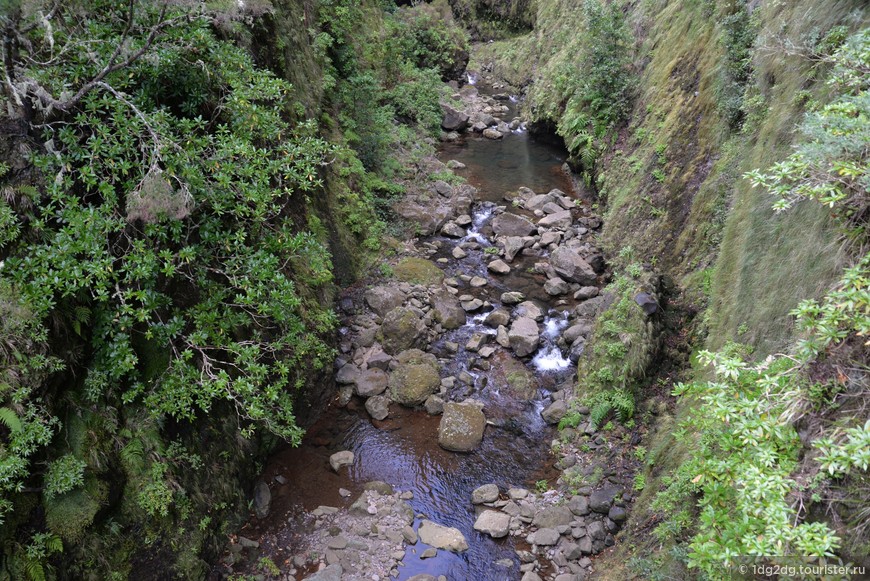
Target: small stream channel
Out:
[403,450]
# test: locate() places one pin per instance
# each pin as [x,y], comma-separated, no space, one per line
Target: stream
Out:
[402,450]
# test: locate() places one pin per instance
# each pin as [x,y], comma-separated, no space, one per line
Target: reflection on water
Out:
[498,167]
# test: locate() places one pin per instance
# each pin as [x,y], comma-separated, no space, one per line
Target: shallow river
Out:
[403,449]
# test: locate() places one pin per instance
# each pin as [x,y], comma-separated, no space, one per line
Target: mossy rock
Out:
[519,380]
[418,271]
[415,379]
[70,514]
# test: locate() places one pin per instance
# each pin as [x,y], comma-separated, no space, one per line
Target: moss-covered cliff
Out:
[714,89]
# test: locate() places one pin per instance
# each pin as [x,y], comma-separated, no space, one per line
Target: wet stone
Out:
[543,537]
[485,493]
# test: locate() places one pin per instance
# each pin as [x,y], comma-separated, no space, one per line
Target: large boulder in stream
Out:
[461,428]
[524,336]
[415,378]
[508,224]
[494,523]
[571,266]
[448,310]
[401,330]
[559,220]
[441,537]
[384,298]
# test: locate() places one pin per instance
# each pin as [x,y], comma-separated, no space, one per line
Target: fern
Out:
[599,412]
[10,419]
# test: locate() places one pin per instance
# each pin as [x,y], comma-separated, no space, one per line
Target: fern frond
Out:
[10,419]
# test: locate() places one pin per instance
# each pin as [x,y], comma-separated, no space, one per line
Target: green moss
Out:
[418,271]
[70,514]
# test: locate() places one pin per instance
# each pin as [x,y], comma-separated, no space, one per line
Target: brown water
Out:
[403,449]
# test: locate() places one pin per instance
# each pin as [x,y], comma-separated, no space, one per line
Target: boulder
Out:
[523,336]
[434,405]
[617,514]
[559,220]
[441,537]
[453,119]
[340,459]
[498,267]
[601,500]
[646,302]
[415,378]
[491,133]
[485,493]
[529,309]
[543,537]
[556,286]
[494,523]
[571,266]
[461,428]
[586,292]
[497,318]
[453,230]
[347,374]
[383,299]
[512,245]
[418,271]
[371,382]
[446,310]
[553,517]
[579,505]
[512,297]
[402,329]
[458,253]
[555,412]
[537,202]
[378,407]
[508,224]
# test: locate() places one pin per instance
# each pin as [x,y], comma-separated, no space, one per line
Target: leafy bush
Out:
[599,97]
[830,165]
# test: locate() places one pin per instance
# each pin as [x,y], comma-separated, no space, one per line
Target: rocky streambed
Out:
[452,372]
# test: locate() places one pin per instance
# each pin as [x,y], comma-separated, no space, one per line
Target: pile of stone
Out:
[563,533]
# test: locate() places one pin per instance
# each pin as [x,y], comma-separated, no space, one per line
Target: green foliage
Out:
[542,486]
[639,481]
[599,98]
[571,420]
[738,32]
[830,165]
[839,458]
[741,465]
[64,474]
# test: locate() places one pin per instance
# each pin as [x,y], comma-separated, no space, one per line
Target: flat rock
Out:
[494,523]
[384,298]
[498,267]
[552,517]
[543,537]
[341,459]
[508,224]
[441,537]
[559,220]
